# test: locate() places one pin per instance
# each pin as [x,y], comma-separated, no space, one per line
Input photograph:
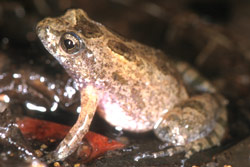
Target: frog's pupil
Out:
[69,44]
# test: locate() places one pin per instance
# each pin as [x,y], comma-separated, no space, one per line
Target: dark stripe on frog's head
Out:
[87,28]
[121,49]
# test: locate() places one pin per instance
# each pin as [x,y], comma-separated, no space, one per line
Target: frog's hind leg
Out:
[212,139]
[196,123]
[193,125]
[198,83]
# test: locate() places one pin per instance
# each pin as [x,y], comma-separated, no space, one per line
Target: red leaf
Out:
[45,131]
[42,130]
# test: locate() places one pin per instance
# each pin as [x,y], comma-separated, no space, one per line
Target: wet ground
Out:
[211,35]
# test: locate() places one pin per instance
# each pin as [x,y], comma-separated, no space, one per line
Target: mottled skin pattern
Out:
[131,85]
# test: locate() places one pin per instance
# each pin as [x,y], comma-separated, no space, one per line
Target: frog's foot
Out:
[212,139]
[193,125]
[189,149]
[163,153]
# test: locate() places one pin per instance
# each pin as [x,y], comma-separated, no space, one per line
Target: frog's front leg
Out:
[193,125]
[70,143]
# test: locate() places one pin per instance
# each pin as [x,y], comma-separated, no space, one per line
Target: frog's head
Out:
[85,48]
[70,38]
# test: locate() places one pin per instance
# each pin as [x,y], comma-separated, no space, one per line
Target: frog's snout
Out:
[43,27]
[40,29]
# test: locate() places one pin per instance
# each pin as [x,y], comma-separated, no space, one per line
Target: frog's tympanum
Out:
[132,86]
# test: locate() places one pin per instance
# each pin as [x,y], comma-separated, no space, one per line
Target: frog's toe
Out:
[163,153]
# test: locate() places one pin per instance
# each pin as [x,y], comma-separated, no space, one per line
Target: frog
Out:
[132,86]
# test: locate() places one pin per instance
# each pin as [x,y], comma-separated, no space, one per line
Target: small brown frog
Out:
[132,86]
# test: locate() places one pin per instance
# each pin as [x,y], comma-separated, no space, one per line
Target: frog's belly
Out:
[138,109]
[115,115]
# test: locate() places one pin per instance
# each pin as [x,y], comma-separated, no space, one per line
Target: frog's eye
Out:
[71,43]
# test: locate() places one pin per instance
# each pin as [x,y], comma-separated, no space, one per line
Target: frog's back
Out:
[144,85]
